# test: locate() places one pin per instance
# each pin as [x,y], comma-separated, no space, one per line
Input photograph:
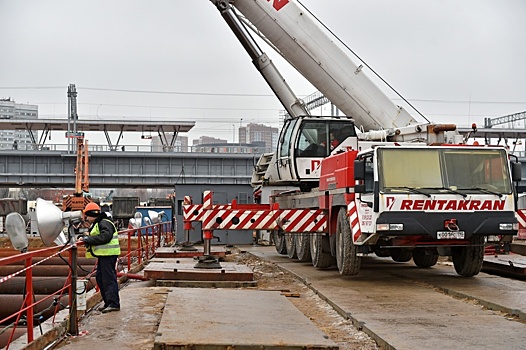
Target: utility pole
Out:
[72,116]
[239,131]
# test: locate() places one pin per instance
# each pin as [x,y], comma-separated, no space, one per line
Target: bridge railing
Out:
[226,148]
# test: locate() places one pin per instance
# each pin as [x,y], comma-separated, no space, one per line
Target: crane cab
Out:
[305,141]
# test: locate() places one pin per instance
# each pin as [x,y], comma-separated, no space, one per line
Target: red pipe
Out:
[132,276]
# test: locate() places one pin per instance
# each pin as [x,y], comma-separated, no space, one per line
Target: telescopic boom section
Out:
[262,62]
[303,43]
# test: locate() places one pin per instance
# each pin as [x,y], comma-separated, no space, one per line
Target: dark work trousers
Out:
[106,278]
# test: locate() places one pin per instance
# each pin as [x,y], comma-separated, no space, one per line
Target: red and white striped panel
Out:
[521,217]
[192,212]
[354,222]
[207,199]
[223,219]
[195,212]
[294,220]
[303,220]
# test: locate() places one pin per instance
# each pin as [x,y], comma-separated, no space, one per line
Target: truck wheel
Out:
[424,258]
[468,260]
[290,242]
[347,259]
[401,254]
[303,247]
[320,259]
[279,242]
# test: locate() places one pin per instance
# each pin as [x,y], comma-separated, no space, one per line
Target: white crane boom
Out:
[323,63]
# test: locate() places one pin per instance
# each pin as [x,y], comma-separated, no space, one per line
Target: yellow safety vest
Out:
[108,249]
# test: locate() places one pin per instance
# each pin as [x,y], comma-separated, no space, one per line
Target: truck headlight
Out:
[389,227]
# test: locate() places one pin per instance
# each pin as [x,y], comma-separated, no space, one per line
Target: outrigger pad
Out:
[207,262]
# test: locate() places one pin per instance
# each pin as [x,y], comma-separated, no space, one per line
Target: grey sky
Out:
[456,61]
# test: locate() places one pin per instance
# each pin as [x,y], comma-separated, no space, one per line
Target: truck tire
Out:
[303,247]
[424,258]
[401,254]
[320,259]
[347,259]
[279,242]
[468,260]
[290,243]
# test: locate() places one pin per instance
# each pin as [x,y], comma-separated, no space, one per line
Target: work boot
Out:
[110,309]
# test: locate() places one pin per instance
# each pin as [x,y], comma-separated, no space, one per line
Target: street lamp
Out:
[15,227]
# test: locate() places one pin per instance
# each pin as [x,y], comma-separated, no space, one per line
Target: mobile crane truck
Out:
[383,183]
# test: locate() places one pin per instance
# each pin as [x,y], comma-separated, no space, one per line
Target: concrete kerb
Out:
[488,304]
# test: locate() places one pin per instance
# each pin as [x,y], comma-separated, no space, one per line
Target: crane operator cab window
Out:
[285,138]
[317,138]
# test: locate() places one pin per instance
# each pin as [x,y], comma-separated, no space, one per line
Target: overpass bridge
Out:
[124,169]
[41,165]
[132,169]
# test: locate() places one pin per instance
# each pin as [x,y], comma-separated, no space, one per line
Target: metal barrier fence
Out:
[206,148]
[148,238]
[28,306]
[159,235]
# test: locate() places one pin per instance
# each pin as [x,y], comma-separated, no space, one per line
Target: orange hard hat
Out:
[92,206]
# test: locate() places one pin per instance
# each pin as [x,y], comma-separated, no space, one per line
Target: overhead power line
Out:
[179,92]
[238,94]
[137,91]
[31,87]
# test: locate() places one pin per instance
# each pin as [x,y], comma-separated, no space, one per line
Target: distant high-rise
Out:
[9,109]
[208,140]
[180,144]
[259,133]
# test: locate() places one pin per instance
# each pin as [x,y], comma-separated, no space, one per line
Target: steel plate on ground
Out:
[505,264]
[176,252]
[184,269]
[229,319]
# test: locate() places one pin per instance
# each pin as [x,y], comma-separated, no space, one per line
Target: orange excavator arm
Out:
[77,201]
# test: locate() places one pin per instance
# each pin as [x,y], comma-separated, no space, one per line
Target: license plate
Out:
[451,235]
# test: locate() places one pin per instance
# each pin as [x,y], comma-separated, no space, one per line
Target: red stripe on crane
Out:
[353,221]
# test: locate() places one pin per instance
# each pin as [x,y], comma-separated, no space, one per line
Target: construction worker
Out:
[103,243]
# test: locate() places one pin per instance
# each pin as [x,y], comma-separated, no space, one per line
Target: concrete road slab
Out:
[399,306]
[228,319]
